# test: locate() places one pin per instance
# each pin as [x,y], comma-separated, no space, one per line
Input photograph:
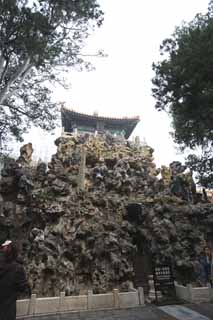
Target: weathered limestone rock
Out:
[26,152]
[84,236]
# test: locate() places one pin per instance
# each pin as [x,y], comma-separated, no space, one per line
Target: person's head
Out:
[207,251]
[10,250]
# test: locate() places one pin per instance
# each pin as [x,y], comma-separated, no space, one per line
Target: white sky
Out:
[121,84]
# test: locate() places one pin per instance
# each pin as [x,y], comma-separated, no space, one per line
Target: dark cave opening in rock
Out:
[134,212]
[4,233]
[142,269]
[142,260]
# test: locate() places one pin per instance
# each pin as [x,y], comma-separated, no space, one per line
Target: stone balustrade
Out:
[54,305]
[194,294]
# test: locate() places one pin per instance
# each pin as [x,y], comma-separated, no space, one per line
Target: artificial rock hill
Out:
[82,220]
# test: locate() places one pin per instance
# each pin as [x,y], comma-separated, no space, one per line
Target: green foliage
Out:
[183,82]
[183,87]
[39,40]
[203,165]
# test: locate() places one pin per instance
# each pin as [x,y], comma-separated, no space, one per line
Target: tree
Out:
[183,83]
[39,40]
[203,166]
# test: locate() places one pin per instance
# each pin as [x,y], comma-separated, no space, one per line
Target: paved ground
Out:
[180,312]
[203,308]
[145,313]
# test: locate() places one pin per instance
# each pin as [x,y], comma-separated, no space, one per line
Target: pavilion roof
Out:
[126,123]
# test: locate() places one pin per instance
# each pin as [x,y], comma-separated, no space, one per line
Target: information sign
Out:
[164,284]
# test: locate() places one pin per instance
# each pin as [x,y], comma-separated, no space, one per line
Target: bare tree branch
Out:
[1,63]
[20,72]
[19,110]
[4,71]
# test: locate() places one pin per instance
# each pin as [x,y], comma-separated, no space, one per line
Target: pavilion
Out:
[73,121]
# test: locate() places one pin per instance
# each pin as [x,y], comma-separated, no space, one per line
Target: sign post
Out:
[164,284]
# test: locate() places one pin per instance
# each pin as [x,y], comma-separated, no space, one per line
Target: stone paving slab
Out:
[183,313]
[144,313]
[150,312]
[204,308]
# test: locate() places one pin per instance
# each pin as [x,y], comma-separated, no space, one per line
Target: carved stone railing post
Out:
[32,305]
[116,298]
[62,131]
[89,299]
[141,296]
[61,302]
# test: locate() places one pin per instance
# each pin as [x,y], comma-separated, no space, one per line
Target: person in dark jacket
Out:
[12,280]
[206,259]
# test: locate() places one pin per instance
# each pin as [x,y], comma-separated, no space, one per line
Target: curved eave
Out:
[127,124]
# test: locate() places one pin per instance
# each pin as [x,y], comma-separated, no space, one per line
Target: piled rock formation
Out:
[82,220]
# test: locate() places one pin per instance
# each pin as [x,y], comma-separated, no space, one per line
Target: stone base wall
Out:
[54,305]
[194,295]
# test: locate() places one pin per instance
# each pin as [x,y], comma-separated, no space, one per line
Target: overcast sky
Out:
[121,84]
